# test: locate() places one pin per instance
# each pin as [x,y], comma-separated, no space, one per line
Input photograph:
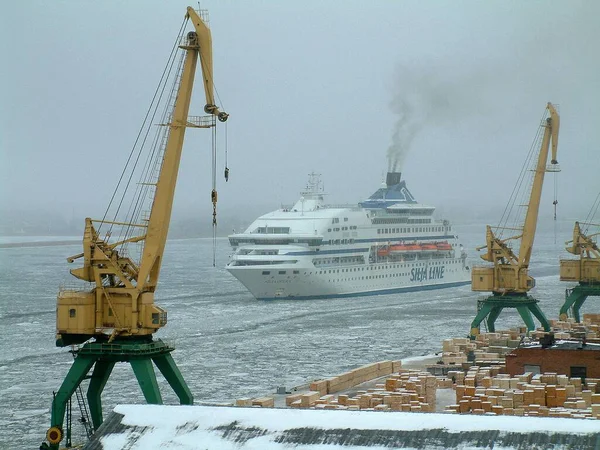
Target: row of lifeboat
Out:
[403,249]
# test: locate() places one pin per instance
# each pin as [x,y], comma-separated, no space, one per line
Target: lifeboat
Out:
[404,248]
[444,246]
[385,251]
[429,247]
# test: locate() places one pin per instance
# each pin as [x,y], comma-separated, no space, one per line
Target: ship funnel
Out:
[392,178]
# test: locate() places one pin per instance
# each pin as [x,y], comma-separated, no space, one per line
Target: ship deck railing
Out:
[351,206]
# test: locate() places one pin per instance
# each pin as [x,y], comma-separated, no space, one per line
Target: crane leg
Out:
[537,312]
[525,314]
[169,369]
[102,371]
[144,372]
[577,306]
[77,373]
[492,316]
[481,314]
[575,299]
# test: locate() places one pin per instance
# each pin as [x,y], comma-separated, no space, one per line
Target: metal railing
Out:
[201,121]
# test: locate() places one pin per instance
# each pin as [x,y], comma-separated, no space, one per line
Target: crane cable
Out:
[153,104]
[555,202]
[226,149]
[592,214]
[213,194]
[520,189]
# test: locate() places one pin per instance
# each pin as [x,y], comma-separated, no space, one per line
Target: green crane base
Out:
[140,353]
[491,307]
[574,298]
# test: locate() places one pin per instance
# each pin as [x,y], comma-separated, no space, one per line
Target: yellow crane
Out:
[508,279]
[117,317]
[585,270]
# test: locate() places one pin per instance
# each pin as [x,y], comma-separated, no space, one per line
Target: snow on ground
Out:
[192,427]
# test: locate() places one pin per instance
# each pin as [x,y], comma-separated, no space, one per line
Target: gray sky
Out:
[310,85]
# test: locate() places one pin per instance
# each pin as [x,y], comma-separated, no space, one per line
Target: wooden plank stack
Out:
[406,390]
[546,394]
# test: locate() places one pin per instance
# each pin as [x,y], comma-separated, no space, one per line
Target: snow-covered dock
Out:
[220,427]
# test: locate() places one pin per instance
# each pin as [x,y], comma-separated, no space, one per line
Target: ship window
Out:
[329,229]
[345,219]
[282,272]
[296,272]
[72,312]
[266,272]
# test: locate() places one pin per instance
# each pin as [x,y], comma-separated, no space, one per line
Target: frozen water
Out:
[229,345]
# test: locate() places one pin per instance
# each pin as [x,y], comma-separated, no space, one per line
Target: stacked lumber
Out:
[262,402]
[546,394]
[487,349]
[355,377]
[406,390]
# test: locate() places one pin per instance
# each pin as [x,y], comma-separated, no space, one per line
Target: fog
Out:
[449,92]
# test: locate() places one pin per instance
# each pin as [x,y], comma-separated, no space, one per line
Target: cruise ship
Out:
[385,244]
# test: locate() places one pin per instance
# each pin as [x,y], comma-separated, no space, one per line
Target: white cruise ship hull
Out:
[295,282]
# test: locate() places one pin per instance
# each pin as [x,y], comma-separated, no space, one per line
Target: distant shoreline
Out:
[78,241]
[37,244]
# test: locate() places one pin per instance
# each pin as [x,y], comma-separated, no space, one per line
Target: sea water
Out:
[229,345]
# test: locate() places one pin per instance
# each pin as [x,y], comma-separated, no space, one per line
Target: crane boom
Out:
[199,43]
[550,134]
[122,301]
[160,215]
[510,271]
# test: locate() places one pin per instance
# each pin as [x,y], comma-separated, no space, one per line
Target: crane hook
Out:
[213,197]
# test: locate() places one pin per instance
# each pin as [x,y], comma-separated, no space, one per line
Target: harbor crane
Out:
[116,319]
[585,271]
[508,279]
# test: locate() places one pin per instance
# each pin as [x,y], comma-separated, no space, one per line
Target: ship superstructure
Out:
[387,243]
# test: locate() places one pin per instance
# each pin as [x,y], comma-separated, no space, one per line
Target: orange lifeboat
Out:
[444,246]
[385,251]
[429,247]
[404,248]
